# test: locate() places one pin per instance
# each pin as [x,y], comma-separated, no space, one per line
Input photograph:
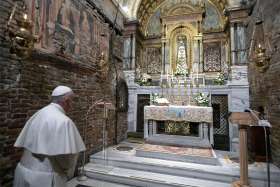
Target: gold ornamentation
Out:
[178,128]
[22,39]
[103,65]
[172,36]
[148,8]
[258,49]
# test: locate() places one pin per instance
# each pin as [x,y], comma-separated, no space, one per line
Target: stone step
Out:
[206,172]
[93,183]
[193,155]
[145,178]
[180,141]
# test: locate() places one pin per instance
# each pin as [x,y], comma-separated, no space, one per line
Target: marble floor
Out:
[123,168]
[191,151]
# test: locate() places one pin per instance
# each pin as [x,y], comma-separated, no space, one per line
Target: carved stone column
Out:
[130,44]
[232,44]
[165,62]
[237,18]
[197,54]
[195,65]
[242,53]
[200,44]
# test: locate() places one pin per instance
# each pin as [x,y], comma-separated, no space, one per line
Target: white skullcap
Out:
[61,90]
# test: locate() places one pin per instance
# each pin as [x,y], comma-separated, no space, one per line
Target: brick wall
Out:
[26,85]
[265,87]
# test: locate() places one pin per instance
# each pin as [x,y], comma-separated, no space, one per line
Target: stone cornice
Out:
[62,62]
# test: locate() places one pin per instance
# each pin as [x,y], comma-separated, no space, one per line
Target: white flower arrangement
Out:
[144,80]
[154,97]
[161,101]
[220,80]
[202,99]
[158,100]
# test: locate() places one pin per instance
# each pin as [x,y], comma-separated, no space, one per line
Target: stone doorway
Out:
[142,100]
[220,122]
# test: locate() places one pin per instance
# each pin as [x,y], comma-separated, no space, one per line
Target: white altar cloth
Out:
[199,114]
[179,113]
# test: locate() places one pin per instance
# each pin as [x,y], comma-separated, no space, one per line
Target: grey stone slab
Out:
[93,183]
[172,140]
[145,178]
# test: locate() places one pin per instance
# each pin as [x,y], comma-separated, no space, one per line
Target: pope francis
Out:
[51,144]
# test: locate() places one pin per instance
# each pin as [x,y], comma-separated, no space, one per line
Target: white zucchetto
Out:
[61,90]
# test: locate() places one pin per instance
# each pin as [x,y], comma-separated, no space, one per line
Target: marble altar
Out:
[200,114]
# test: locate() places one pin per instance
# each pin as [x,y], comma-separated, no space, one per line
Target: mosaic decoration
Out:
[212,57]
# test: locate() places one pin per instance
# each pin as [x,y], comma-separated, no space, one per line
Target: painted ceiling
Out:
[145,10]
[131,7]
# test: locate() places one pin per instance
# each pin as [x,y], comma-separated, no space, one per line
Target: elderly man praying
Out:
[51,144]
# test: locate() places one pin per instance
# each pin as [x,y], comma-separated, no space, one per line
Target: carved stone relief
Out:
[212,57]
[152,60]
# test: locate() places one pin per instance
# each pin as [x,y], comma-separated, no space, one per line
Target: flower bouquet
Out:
[202,99]
[159,100]
[220,80]
[154,97]
[145,80]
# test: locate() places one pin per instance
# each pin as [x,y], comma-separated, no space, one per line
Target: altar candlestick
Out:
[186,87]
[210,98]
[198,63]
[179,91]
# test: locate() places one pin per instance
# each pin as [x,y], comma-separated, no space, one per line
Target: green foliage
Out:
[220,80]
[145,80]
[202,99]
[154,97]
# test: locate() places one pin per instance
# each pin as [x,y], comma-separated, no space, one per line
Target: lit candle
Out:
[25,17]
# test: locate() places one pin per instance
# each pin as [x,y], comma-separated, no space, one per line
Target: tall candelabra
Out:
[106,106]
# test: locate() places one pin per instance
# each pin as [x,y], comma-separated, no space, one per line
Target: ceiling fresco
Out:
[145,11]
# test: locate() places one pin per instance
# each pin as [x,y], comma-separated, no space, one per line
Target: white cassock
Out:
[51,145]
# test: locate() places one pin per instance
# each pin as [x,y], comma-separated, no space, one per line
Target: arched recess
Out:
[122,96]
[181,30]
